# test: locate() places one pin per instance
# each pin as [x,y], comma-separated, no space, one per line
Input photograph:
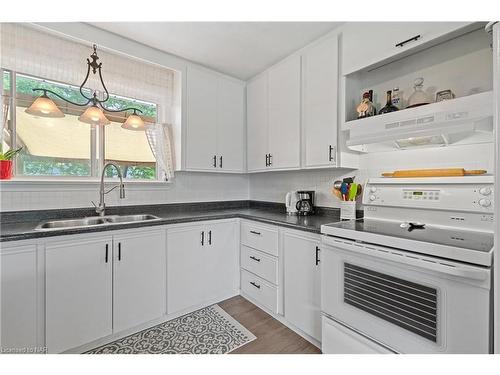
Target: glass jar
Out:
[419,97]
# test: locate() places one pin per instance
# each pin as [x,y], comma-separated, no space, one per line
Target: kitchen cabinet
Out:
[284,114]
[78,280]
[202,264]
[215,122]
[257,142]
[319,98]
[273,117]
[19,303]
[390,40]
[302,282]
[139,278]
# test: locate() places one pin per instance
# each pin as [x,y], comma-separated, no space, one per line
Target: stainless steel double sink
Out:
[93,221]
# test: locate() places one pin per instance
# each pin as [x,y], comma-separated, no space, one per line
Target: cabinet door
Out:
[391,39]
[78,292]
[139,287]
[320,88]
[230,125]
[257,123]
[302,284]
[221,260]
[201,130]
[284,114]
[19,297]
[185,268]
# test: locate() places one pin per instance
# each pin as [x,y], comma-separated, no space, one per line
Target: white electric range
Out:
[414,275]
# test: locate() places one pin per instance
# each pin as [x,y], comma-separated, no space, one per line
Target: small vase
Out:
[5,169]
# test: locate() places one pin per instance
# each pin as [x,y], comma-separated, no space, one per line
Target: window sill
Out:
[74,183]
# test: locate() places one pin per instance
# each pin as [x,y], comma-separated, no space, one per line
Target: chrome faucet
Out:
[101,208]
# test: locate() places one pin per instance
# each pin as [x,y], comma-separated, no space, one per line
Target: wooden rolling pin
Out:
[445,172]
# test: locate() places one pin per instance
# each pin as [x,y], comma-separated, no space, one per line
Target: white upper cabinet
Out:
[273,118]
[215,122]
[257,142]
[139,274]
[366,44]
[319,108]
[230,126]
[284,114]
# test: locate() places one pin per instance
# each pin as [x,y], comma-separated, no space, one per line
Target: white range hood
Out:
[463,120]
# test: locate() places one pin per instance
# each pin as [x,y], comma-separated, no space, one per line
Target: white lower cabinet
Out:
[19,307]
[202,264]
[260,290]
[302,286]
[139,278]
[78,281]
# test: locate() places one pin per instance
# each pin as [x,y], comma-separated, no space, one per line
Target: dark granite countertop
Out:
[21,225]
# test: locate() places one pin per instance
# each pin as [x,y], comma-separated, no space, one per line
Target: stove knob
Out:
[484,202]
[372,197]
[373,189]
[485,191]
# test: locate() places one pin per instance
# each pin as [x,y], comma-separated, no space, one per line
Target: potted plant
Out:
[6,163]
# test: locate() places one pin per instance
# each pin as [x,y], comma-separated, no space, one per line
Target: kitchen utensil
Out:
[353,190]
[337,185]
[337,193]
[344,190]
[348,180]
[445,172]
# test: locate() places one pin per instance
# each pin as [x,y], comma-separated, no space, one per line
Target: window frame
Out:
[97,140]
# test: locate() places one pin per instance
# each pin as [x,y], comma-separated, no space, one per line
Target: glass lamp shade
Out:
[94,115]
[134,122]
[43,106]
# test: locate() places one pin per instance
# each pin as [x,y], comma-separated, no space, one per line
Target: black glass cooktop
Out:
[471,240]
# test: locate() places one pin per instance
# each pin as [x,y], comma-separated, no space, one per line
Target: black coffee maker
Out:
[305,204]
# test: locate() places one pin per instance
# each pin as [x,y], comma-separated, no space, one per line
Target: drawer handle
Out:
[254,232]
[255,285]
[415,38]
[254,258]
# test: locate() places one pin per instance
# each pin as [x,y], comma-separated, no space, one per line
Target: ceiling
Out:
[239,49]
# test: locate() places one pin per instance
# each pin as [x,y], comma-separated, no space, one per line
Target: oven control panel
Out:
[471,193]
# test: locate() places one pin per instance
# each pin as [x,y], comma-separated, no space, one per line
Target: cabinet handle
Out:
[267,160]
[254,232]
[202,238]
[119,251]
[317,255]
[215,161]
[254,258]
[270,160]
[209,237]
[415,38]
[255,285]
[220,162]
[330,153]
[106,256]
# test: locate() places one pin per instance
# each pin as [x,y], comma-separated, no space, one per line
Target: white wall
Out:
[187,187]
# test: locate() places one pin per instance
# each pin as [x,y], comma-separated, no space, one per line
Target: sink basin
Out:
[94,221]
[129,218]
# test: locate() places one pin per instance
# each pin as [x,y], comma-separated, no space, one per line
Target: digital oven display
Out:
[418,193]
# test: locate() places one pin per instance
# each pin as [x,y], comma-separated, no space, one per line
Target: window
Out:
[66,147]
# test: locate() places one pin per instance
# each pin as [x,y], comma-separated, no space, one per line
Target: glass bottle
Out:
[419,97]
[389,107]
[366,107]
[396,98]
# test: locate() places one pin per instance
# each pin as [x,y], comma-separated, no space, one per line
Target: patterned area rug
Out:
[207,331]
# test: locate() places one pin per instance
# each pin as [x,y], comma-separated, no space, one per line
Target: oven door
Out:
[408,302]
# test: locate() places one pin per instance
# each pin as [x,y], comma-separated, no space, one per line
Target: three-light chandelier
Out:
[44,106]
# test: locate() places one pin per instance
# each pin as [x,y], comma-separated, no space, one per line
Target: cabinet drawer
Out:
[260,264]
[260,237]
[260,290]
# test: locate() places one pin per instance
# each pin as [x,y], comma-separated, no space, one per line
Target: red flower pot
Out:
[5,169]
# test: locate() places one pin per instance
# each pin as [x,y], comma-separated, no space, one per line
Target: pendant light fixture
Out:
[94,114]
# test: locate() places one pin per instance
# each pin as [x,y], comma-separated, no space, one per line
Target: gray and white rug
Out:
[207,331]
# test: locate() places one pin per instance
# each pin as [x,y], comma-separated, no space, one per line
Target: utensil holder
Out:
[348,210]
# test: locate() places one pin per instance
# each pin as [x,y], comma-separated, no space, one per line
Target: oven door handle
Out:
[411,259]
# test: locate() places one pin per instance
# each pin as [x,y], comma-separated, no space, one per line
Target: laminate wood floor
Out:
[272,336]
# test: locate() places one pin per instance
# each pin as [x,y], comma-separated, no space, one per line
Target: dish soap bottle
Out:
[389,107]
[419,97]
[366,107]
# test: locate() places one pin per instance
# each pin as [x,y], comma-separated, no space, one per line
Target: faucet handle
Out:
[95,205]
